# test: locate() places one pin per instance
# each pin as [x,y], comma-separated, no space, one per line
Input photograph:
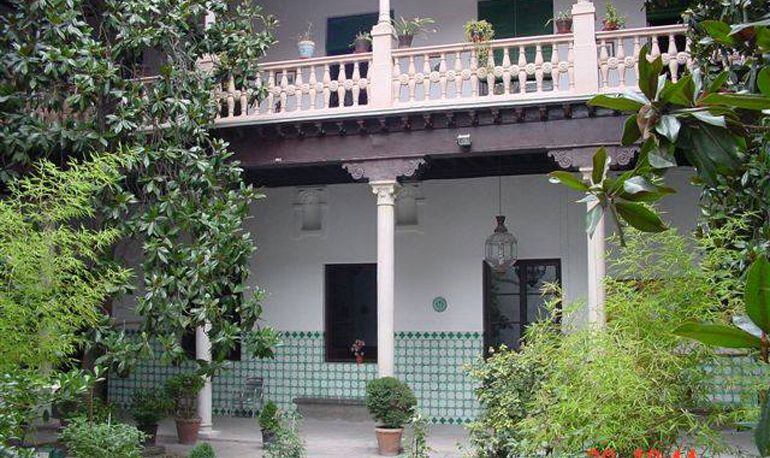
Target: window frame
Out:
[330,356]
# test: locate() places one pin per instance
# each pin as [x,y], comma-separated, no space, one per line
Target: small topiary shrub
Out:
[390,401]
[268,417]
[102,440]
[202,450]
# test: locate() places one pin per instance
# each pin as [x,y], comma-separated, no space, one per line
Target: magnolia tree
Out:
[72,83]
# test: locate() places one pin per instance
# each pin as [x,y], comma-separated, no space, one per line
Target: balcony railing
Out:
[548,67]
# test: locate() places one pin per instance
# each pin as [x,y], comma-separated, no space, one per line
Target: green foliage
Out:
[390,401]
[612,16]
[413,26]
[102,440]
[288,442]
[628,385]
[149,406]
[269,417]
[183,389]
[418,443]
[52,283]
[202,450]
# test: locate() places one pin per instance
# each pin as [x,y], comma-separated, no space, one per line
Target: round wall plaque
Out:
[439,304]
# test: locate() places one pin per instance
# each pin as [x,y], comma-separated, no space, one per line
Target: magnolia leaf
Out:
[757,294]
[763,81]
[649,72]
[669,126]
[679,93]
[719,31]
[615,102]
[637,184]
[746,101]
[708,118]
[719,81]
[718,335]
[631,133]
[568,179]
[599,165]
[593,216]
[661,158]
[640,217]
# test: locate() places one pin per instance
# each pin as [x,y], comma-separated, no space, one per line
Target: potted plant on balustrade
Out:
[148,407]
[613,20]
[305,43]
[362,43]
[358,350]
[480,33]
[407,29]
[391,402]
[268,422]
[182,390]
[563,22]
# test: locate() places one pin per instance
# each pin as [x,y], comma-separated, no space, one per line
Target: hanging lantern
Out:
[501,247]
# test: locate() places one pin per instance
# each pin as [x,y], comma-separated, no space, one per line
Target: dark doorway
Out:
[513,299]
[351,310]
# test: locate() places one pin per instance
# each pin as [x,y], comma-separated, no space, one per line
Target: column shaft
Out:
[386,272]
[203,352]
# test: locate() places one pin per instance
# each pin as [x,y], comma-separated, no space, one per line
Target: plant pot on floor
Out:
[268,437]
[389,441]
[359,359]
[563,25]
[151,431]
[306,49]
[405,41]
[187,430]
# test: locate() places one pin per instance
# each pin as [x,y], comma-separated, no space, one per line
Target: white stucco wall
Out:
[443,259]
[450,16]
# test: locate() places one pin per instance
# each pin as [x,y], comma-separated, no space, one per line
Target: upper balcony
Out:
[503,72]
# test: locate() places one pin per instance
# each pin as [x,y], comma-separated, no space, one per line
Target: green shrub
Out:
[288,442]
[183,391]
[632,384]
[202,450]
[102,440]
[268,417]
[148,407]
[390,401]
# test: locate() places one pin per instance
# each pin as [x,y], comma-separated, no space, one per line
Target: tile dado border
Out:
[431,362]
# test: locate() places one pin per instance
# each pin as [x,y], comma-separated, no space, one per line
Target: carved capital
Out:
[385,191]
[383,169]
[582,157]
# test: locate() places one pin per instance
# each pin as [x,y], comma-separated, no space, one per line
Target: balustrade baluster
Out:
[327,81]
[299,91]
[356,88]
[491,72]
[412,82]
[426,70]
[539,67]
[571,65]
[230,97]
[555,73]
[270,93]
[522,71]
[673,64]
[604,64]
[284,89]
[474,67]
[655,51]
[312,83]
[341,77]
[442,76]
[506,71]
[458,68]
[396,80]
[621,56]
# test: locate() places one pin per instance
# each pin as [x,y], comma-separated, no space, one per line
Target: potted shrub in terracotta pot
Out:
[268,422]
[362,43]
[613,20]
[563,22]
[358,350]
[407,29]
[182,390]
[479,31]
[148,407]
[391,402]
[305,43]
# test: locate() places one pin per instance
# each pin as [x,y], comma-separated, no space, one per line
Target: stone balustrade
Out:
[527,69]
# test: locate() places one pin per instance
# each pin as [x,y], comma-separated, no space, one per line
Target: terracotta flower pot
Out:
[187,430]
[610,25]
[563,25]
[359,359]
[151,431]
[405,41]
[389,441]
[361,46]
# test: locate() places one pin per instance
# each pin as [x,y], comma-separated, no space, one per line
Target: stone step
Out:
[332,408]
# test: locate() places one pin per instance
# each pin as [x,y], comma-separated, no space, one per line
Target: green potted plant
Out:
[85,438]
[613,20]
[202,450]
[563,22]
[268,422]
[407,29]
[305,43]
[362,43]
[391,402]
[479,31]
[148,407]
[182,390]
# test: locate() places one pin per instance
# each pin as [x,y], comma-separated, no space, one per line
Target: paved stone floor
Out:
[240,437]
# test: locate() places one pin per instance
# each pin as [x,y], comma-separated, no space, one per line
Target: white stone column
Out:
[380,90]
[596,266]
[586,58]
[203,352]
[386,271]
